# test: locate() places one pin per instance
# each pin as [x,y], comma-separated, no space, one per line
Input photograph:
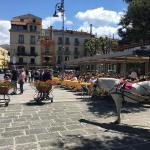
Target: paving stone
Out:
[74,126]
[30,146]
[7,148]
[6,142]
[18,124]
[57,128]
[16,128]
[48,136]
[77,132]
[19,120]
[36,131]
[51,143]
[12,134]
[5,120]
[1,130]
[25,139]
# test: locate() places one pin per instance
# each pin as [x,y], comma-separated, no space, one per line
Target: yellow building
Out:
[4,58]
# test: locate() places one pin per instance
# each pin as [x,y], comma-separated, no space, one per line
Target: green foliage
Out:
[96,45]
[136,21]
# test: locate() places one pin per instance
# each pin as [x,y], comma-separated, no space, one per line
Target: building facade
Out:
[31,46]
[4,58]
[73,46]
[24,40]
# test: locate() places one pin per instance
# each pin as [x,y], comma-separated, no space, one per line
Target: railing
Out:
[33,54]
[21,63]
[22,54]
[67,52]
[47,53]
[123,47]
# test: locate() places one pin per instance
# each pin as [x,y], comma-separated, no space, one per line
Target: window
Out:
[32,50]
[76,42]
[32,61]
[60,41]
[67,41]
[66,58]
[67,52]
[34,20]
[21,39]
[22,20]
[20,60]
[21,49]
[59,50]
[32,28]
[18,27]
[59,59]
[32,39]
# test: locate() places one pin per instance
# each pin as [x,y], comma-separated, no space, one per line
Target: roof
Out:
[26,16]
[128,55]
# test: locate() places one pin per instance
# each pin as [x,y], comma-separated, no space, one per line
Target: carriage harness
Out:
[123,88]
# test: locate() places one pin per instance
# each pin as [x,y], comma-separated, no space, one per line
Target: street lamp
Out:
[59,8]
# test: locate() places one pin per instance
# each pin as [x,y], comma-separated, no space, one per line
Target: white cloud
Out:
[4,31]
[105,22]
[100,16]
[68,22]
[49,21]
[101,30]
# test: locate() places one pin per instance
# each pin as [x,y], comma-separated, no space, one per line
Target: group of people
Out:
[17,76]
[20,76]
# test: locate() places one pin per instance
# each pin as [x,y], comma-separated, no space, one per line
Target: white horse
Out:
[139,92]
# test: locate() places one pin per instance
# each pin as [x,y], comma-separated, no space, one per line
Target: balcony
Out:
[47,53]
[76,43]
[76,53]
[21,54]
[21,63]
[67,52]
[33,54]
[59,52]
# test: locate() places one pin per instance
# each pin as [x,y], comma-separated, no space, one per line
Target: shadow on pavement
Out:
[105,106]
[34,103]
[124,137]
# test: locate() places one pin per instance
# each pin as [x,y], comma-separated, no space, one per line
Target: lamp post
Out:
[60,8]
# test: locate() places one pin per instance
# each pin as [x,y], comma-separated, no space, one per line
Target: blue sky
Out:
[103,14]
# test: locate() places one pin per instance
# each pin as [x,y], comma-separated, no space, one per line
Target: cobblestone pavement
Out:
[71,123]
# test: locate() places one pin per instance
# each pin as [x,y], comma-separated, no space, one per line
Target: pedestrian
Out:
[22,77]
[36,75]
[29,76]
[14,78]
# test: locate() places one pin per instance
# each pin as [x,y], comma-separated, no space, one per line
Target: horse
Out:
[139,92]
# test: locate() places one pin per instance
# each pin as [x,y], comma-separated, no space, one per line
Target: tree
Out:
[96,45]
[135,24]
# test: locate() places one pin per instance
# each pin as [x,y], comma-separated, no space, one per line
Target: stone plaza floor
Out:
[72,123]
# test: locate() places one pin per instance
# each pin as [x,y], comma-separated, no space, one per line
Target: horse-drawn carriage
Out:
[44,91]
[138,92]
[5,86]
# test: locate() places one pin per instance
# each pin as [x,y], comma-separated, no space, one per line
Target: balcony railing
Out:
[59,52]
[22,54]
[76,43]
[21,63]
[47,53]
[67,52]
[33,54]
